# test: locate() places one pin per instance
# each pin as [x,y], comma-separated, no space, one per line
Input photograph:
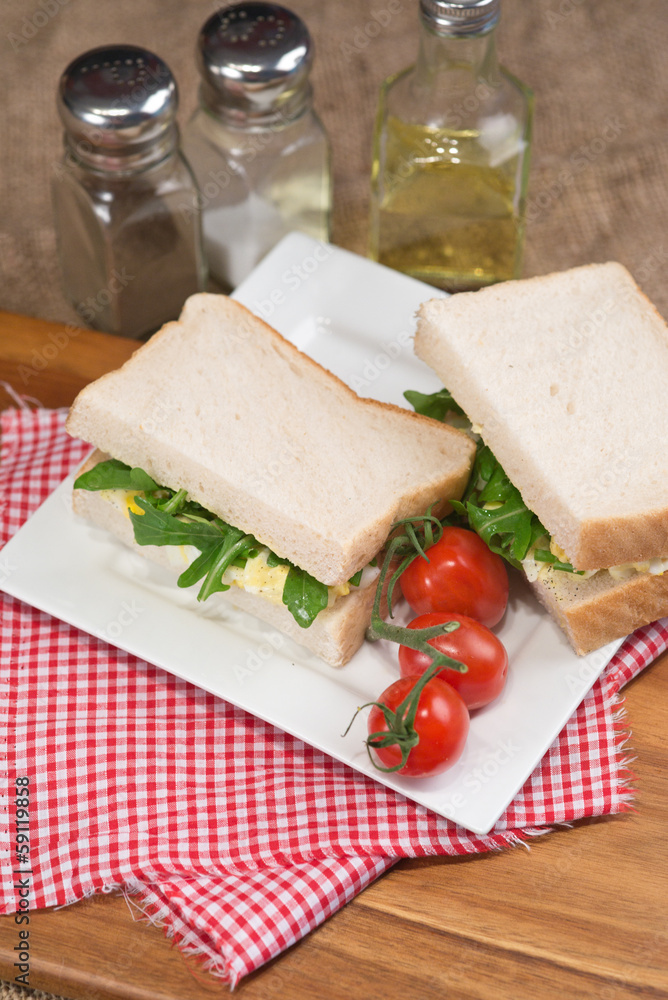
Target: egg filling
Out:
[256,576]
[537,570]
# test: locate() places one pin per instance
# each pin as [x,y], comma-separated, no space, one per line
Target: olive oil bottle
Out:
[451,155]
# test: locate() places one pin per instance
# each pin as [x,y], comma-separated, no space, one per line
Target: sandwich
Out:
[563,380]
[254,475]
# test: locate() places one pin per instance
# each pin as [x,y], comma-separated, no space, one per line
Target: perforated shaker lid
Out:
[255,59]
[117,99]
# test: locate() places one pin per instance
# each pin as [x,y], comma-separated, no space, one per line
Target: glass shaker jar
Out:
[130,245]
[451,155]
[258,150]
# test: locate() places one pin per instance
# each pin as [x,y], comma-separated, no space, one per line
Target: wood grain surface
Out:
[580,914]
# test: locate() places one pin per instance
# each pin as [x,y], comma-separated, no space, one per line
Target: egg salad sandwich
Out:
[254,475]
[564,380]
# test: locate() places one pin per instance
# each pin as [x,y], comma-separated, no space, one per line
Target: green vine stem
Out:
[408,546]
[400,730]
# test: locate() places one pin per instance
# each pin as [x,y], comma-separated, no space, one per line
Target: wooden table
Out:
[582,914]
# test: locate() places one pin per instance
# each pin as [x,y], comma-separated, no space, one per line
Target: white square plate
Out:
[356,318]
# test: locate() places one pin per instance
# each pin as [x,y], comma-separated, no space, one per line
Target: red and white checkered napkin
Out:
[238,838]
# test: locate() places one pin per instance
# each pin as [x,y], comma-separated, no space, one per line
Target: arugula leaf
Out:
[115,475]
[156,527]
[219,544]
[175,503]
[274,560]
[356,578]
[304,596]
[491,505]
[234,544]
[434,404]
[169,518]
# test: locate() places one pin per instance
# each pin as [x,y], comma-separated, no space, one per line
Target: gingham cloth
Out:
[236,837]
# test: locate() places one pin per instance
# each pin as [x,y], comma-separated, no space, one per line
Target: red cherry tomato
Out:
[462,574]
[441,722]
[473,644]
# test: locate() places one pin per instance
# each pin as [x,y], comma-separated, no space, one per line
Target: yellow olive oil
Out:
[443,214]
[451,155]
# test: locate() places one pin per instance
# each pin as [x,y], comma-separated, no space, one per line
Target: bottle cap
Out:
[464,17]
[255,59]
[117,101]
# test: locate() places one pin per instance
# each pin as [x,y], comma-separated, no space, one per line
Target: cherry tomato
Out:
[441,722]
[462,574]
[473,644]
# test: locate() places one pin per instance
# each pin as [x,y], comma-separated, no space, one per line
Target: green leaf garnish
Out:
[156,527]
[115,475]
[169,518]
[491,505]
[435,404]
[219,544]
[304,596]
[274,560]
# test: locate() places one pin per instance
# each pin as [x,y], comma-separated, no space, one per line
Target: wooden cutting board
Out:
[580,916]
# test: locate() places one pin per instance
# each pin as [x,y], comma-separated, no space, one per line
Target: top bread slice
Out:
[567,375]
[219,404]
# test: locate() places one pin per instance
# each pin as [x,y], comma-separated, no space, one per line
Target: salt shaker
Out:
[258,150]
[130,245]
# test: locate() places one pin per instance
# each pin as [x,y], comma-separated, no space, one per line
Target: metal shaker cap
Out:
[116,101]
[255,59]
[463,17]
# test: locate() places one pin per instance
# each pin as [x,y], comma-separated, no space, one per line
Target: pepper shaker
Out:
[130,244]
[259,152]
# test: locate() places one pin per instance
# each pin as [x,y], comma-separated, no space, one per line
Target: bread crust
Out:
[614,541]
[335,635]
[593,614]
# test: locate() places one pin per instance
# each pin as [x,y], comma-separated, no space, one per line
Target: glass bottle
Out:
[129,240]
[451,155]
[259,152]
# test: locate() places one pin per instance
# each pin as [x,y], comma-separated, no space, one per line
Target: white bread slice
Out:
[567,376]
[220,405]
[595,611]
[335,635]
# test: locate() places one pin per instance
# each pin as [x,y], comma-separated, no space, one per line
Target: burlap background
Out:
[598,181]
[598,186]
